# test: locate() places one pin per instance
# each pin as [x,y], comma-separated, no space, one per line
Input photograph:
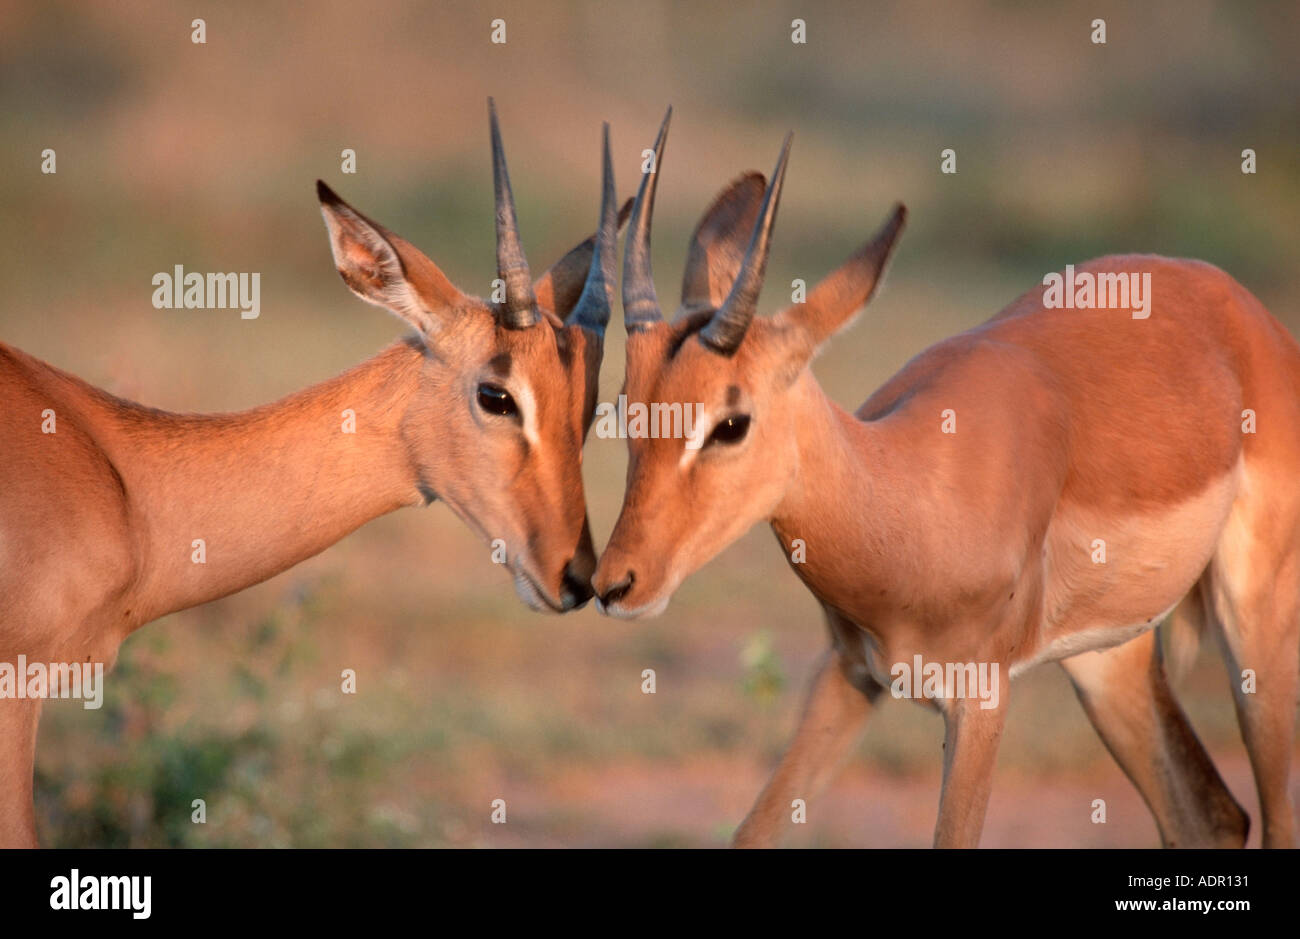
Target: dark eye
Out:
[496,400]
[730,430]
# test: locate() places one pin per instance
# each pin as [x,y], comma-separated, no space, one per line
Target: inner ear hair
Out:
[382,268]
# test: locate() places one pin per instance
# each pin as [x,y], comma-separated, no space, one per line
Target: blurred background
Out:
[205,155]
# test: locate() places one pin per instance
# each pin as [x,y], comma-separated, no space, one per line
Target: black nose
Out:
[575,591]
[619,590]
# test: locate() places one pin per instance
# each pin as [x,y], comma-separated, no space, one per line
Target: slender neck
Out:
[217,503]
[870,538]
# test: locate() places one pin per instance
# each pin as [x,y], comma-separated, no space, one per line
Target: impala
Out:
[956,517]
[485,407]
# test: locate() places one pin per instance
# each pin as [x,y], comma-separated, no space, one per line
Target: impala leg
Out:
[1259,627]
[18,721]
[1127,697]
[837,706]
[970,751]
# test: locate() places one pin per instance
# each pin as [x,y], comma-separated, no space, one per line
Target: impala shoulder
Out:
[974,365]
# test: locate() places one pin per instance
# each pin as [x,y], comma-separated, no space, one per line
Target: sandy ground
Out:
[648,805]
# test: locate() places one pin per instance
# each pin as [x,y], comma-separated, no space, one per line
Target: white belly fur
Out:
[1152,560]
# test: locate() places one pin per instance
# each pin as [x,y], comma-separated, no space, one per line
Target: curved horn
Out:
[726,329]
[519,310]
[592,309]
[640,305]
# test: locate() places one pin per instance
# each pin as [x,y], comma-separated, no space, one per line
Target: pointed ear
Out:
[718,246]
[832,303]
[384,269]
[560,287]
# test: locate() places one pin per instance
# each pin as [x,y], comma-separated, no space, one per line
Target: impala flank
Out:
[1045,487]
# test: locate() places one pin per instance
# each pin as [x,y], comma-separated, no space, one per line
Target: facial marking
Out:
[695,442]
[528,412]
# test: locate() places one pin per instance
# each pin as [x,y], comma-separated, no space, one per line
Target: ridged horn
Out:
[519,309]
[640,305]
[592,309]
[727,327]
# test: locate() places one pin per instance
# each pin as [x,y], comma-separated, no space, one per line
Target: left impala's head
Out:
[688,498]
[506,387]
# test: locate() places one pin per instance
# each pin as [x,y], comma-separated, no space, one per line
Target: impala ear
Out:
[718,246]
[560,287]
[383,269]
[833,302]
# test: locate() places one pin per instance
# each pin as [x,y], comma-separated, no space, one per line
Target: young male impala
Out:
[486,408]
[956,516]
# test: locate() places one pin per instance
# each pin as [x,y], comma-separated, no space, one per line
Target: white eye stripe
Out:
[699,434]
[527,412]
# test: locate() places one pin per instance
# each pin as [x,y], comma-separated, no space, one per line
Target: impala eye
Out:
[729,430]
[496,400]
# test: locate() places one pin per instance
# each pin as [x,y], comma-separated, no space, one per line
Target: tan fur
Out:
[97,520]
[1072,425]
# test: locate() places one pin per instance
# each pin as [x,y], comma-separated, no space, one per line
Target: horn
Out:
[592,309]
[727,327]
[519,310]
[640,305]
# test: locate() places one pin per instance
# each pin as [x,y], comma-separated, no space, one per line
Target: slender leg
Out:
[836,708]
[1259,623]
[1127,697]
[970,751]
[18,722]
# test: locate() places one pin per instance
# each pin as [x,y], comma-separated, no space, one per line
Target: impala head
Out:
[686,500]
[506,387]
